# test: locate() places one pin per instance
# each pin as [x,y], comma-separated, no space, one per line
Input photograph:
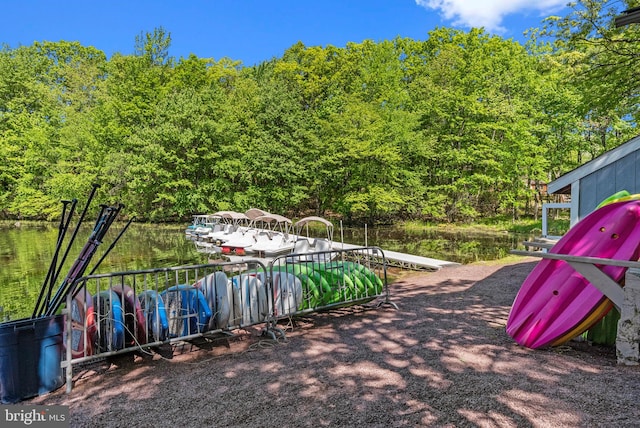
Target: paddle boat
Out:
[272,235]
[230,236]
[257,233]
[312,249]
[202,225]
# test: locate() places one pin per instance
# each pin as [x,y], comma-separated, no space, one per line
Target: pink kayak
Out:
[555,303]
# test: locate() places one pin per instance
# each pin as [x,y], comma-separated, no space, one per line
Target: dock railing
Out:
[116,313]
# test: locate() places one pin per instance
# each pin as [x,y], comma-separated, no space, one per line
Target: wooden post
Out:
[628,337]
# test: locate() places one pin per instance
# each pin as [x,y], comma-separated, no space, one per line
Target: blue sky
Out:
[256,30]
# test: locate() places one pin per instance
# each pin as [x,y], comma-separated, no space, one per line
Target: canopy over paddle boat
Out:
[303,224]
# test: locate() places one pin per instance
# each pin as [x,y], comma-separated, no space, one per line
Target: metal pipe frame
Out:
[277,298]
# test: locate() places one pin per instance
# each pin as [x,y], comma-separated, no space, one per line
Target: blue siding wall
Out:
[588,194]
[636,170]
[623,174]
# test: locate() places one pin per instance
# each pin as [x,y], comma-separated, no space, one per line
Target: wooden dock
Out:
[540,243]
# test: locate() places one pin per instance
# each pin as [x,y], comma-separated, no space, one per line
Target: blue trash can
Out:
[30,356]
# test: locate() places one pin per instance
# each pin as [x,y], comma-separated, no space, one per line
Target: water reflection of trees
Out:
[26,252]
[440,243]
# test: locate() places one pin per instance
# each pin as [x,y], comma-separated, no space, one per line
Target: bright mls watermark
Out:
[34,416]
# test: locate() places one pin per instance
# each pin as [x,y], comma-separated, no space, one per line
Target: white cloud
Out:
[488,13]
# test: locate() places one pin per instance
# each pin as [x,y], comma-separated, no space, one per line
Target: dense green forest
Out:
[458,126]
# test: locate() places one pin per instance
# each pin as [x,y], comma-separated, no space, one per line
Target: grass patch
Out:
[498,224]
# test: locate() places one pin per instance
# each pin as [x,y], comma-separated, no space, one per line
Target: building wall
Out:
[623,174]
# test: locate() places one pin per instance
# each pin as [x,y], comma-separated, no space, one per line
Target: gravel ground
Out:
[442,359]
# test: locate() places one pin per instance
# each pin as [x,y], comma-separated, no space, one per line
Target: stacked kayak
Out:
[236,301]
[114,319]
[110,320]
[117,318]
[286,293]
[326,284]
[188,310]
[215,287]
[155,313]
[83,324]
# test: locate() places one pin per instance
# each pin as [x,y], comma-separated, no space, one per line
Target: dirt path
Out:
[443,359]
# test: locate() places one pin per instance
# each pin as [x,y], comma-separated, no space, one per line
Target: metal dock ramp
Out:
[405,261]
[392,259]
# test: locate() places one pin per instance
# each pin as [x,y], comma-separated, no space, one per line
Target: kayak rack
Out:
[120,312]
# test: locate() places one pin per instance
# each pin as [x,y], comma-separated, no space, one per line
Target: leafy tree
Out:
[455,127]
[599,58]
[46,91]
[126,107]
[476,96]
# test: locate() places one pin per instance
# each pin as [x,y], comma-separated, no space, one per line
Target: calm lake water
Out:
[26,252]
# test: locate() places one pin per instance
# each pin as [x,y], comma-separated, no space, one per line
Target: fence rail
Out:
[121,312]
